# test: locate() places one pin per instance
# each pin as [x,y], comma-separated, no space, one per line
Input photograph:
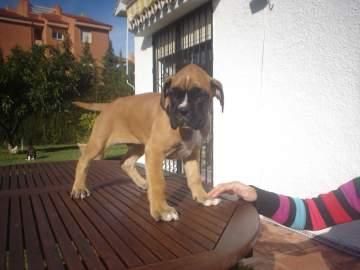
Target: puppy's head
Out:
[186,97]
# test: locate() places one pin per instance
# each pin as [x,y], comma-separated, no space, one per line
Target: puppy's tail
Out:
[96,107]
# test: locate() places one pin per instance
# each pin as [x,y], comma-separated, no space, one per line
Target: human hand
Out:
[245,192]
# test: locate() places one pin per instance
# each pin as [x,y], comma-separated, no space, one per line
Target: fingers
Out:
[222,188]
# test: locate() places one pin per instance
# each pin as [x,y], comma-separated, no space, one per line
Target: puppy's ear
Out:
[164,93]
[217,90]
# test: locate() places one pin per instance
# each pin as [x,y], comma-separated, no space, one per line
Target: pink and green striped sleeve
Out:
[338,206]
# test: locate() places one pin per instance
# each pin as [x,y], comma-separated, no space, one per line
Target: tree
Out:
[42,80]
[113,77]
[14,92]
[87,72]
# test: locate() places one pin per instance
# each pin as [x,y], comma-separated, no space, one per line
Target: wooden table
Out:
[41,227]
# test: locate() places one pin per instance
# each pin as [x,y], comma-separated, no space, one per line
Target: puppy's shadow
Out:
[177,196]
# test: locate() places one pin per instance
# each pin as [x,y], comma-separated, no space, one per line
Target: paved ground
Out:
[280,249]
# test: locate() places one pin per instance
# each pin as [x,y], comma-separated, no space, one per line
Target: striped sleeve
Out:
[338,206]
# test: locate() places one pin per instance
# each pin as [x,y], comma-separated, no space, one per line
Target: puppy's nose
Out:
[184,111]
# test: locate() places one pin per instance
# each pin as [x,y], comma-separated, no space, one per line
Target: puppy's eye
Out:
[197,93]
[177,94]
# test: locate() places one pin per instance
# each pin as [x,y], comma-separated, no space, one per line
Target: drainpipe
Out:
[127,56]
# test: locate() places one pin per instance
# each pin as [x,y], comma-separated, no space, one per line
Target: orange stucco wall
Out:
[98,46]
[22,35]
[14,34]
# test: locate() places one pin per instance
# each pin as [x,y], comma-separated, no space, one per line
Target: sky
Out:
[100,10]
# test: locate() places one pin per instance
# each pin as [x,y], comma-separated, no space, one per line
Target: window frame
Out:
[88,34]
[56,33]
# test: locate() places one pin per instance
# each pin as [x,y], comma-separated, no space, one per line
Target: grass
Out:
[46,153]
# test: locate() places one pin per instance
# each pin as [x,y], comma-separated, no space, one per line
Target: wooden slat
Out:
[147,256]
[189,229]
[198,216]
[16,253]
[5,179]
[33,191]
[36,176]
[4,214]
[202,261]
[148,240]
[150,227]
[181,239]
[13,178]
[174,230]
[66,168]
[32,244]
[136,246]
[148,223]
[2,174]
[48,180]
[87,252]
[50,177]
[102,247]
[184,226]
[183,220]
[217,224]
[67,249]
[112,229]
[118,246]
[179,185]
[49,246]
[28,171]
[21,176]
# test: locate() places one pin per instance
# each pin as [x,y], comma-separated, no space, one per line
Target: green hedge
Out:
[57,128]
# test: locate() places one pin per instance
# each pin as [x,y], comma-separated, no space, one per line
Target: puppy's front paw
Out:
[206,201]
[79,193]
[210,202]
[165,213]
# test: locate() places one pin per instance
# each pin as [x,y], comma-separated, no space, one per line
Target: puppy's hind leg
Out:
[92,150]
[128,164]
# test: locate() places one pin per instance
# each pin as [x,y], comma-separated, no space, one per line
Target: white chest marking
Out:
[185,148]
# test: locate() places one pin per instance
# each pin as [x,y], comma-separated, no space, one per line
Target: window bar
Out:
[198,29]
[175,46]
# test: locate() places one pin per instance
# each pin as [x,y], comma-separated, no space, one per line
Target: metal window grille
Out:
[188,40]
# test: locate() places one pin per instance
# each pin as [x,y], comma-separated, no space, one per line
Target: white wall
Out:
[292,94]
[143,64]
[143,68]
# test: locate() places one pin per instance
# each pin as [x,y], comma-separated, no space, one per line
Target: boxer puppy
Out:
[172,125]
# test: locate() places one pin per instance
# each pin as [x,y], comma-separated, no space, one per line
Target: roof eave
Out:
[95,26]
[150,22]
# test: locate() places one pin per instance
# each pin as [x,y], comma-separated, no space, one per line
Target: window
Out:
[188,40]
[86,37]
[57,35]
[38,33]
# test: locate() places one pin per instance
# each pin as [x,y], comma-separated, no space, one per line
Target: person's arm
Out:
[339,206]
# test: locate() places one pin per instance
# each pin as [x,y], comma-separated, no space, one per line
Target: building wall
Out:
[49,40]
[143,68]
[21,34]
[16,34]
[99,45]
[292,94]
[143,64]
